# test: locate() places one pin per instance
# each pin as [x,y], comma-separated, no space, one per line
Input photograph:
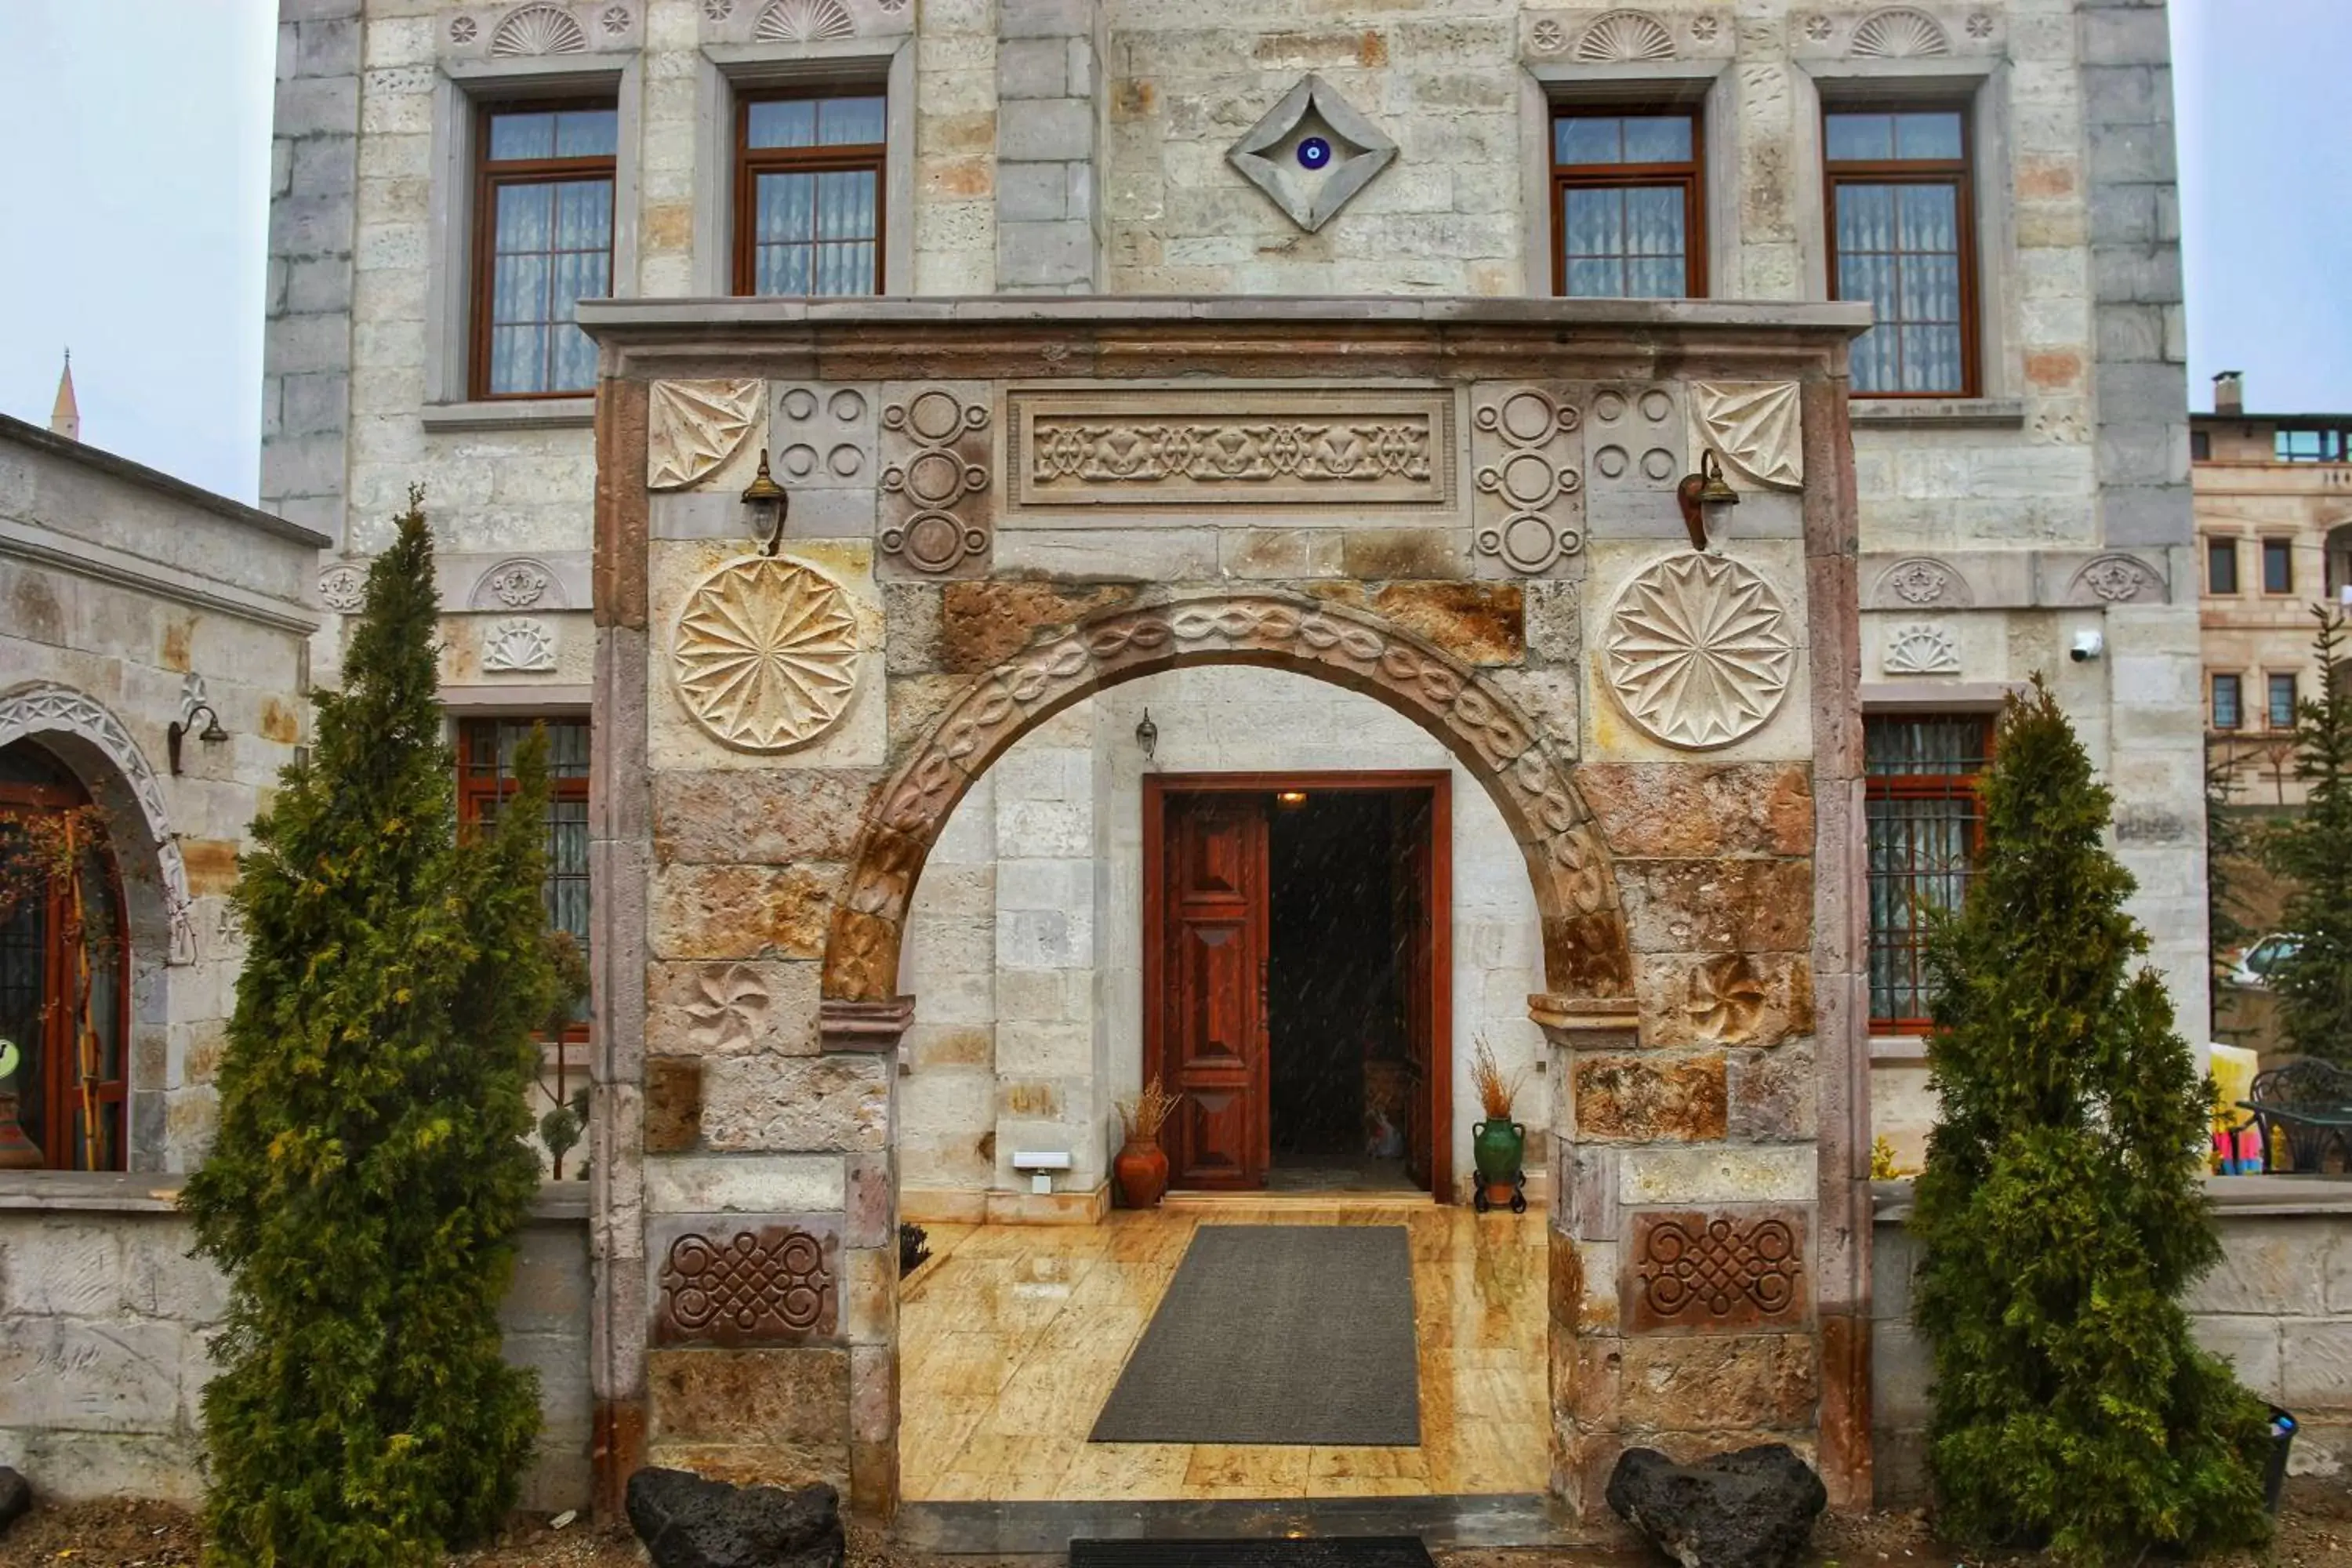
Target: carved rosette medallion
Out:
[2116,580]
[1529,451]
[342,588]
[934,516]
[1754,427]
[692,427]
[778,1283]
[1715,1271]
[1698,651]
[730,1010]
[1920,581]
[765,654]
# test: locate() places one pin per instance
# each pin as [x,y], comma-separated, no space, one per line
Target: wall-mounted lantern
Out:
[767,503]
[211,734]
[1700,494]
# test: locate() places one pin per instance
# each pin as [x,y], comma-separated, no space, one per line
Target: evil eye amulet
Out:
[1314,152]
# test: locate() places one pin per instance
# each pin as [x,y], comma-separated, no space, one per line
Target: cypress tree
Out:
[2313,852]
[2062,1211]
[371,1169]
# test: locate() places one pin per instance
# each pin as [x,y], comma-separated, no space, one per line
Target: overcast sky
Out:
[134,171]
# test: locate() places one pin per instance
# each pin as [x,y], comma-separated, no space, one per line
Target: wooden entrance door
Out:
[1206,939]
[1210,989]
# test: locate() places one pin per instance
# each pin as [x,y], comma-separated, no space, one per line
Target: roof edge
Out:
[23,433]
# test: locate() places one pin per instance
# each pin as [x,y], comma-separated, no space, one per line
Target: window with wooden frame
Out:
[1902,232]
[2222,567]
[2229,701]
[808,193]
[2278,565]
[1925,821]
[543,243]
[64,972]
[486,751]
[1628,214]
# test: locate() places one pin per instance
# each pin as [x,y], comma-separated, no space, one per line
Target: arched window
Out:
[65,961]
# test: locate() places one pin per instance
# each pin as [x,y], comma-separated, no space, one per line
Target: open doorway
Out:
[1296,979]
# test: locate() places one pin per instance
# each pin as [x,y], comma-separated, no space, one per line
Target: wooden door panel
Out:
[1212,976]
[1216,991]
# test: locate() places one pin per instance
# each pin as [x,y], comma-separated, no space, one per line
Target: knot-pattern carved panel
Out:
[1528,461]
[1698,651]
[1710,1271]
[935,518]
[776,1284]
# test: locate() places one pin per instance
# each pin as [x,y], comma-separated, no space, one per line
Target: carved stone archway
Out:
[1585,952]
[44,712]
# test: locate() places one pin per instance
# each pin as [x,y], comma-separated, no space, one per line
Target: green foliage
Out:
[2312,853]
[370,1170]
[2062,1211]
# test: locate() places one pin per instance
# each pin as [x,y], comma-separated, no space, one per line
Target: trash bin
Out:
[2283,1428]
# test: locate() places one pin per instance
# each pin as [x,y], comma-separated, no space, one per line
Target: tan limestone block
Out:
[1478,623]
[797,1104]
[1724,998]
[1668,1175]
[1709,1383]
[728,1007]
[741,911]
[774,818]
[1694,809]
[1646,1099]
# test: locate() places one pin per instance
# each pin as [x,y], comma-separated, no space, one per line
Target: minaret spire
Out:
[65,417]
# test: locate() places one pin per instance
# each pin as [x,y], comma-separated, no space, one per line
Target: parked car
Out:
[2254,966]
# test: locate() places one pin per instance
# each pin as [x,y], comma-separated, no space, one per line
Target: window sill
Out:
[521,413]
[1898,1049]
[1938,413]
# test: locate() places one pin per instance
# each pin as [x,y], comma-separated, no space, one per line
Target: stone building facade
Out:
[1316,218]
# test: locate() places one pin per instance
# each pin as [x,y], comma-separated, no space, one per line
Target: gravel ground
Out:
[156,1535]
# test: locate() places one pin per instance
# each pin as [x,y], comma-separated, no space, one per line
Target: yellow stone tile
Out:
[1271,1469]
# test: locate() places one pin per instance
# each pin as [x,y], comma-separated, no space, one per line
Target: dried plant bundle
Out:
[1146,1113]
[1495,1092]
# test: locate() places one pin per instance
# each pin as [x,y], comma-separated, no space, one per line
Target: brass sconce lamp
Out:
[1699,492]
[768,504]
[178,730]
[1147,735]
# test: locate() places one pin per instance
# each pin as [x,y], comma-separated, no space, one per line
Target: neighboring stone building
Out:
[1309,432]
[2274,497]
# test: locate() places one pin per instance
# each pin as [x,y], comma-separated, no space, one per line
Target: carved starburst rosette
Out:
[765,656]
[1698,651]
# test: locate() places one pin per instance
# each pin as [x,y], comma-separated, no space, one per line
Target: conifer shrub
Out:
[371,1169]
[2312,853]
[2062,1211]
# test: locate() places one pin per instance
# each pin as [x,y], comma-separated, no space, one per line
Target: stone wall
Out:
[2278,1307]
[104,1319]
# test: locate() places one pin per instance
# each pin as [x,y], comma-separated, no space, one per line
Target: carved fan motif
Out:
[766,653]
[1921,649]
[1625,36]
[1900,33]
[803,22]
[538,30]
[1698,650]
[693,427]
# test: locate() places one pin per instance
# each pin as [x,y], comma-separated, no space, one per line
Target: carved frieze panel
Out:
[813,24]
[2116,580]
[1721,1271]
[765,654]
[1754,427]
[1896,32]
[519,643]
[1919,582]
[1527,460]
[1698,651]
[1920,647]
[539,28]
[1073,455]
[692,427]
[935,516]
[727,1280]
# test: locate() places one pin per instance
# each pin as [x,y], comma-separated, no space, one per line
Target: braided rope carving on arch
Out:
[38,711]
[1575,888]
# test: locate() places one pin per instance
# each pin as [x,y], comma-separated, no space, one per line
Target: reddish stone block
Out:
[1715,1270]
[1478,623]
[1685,810]
[729,1283]
[673,1104]
[983,624]
[1642,1100]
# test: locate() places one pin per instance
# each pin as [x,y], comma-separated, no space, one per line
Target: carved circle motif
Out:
[1817,28]
[1979,25]
[616,19]
[57,710]
[719,10]
[1720,1268]
[463,29]
[342,588]
[1704,28]
[1526,481]
[934,481]
[1727,997]
[765,655]
[750,1284]
[1548,37]
[1698,651]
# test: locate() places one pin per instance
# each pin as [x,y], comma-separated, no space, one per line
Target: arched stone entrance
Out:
[1663,723]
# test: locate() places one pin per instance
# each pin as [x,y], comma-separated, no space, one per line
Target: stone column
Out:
[2155,752]
[313,184]
[1049,136]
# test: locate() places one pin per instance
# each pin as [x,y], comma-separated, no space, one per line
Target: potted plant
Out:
[1498,1145]
[1141,1167]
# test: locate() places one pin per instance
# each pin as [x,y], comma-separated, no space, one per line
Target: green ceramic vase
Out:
[1499,1149]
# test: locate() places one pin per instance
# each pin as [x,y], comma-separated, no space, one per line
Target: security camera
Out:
[2088,646]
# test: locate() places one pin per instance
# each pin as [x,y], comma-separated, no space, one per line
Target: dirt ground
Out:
[156,1535]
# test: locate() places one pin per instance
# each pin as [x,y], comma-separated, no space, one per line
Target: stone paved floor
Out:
[1013,1336]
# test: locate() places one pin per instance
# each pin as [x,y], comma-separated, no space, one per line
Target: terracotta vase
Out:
[1141,1172]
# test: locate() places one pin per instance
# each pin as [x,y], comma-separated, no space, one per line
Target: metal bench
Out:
[2309,1103]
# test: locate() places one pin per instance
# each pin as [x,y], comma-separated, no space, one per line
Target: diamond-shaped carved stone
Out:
[1312,152]
[1715,1271]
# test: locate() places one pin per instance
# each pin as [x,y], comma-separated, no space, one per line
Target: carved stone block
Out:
[694,426]
[1755,427]
[937,514]
[1637,439]
[744,1279]
[822,449]
[765,656]
[1698,651]
[1527,462]
[1720,1270]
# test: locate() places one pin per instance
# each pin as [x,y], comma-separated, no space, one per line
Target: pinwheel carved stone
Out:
[1698,651]
[765,655]
[694,426]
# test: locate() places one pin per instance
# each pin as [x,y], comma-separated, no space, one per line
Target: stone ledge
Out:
[149,1192]
[521,413]
[2234,1197]
[1936,413]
